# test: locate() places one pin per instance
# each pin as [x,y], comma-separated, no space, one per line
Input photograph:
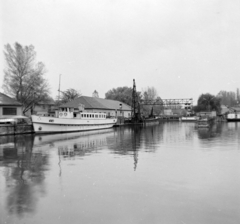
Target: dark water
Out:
[167,173]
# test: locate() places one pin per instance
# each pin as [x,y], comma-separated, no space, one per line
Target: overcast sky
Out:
[181,47]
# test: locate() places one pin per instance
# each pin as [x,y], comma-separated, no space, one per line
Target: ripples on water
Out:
[167,173]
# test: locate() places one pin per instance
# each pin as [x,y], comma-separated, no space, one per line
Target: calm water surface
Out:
[167,173]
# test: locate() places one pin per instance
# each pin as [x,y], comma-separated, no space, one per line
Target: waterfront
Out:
[166,173]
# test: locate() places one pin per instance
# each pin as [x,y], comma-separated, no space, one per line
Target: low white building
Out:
[112,108]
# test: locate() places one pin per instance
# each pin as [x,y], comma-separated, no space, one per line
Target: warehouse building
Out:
[112,108]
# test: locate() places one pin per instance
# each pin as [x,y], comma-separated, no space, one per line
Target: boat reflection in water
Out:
[82,144]
[123,141]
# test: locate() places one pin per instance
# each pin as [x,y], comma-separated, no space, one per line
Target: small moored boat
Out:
[189,118]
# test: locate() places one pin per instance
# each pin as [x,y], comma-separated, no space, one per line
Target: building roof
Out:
[96,103]
[8,101]
[224,110]
[234,109]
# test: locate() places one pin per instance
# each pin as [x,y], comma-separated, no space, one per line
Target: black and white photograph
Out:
[119,112]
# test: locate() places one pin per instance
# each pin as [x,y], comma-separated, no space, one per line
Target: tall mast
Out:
[59,87]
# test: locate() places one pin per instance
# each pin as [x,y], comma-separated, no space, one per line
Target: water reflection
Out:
[175,132]
[94,164]
[24,173]
[210,133]
[124,141]
[223,130]
[128,141]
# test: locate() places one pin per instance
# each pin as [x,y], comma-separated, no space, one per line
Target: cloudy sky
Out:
[181,47]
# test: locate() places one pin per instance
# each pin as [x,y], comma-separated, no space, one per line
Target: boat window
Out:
[87,115]
[96,116]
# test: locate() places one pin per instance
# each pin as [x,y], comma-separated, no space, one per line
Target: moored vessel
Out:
[69,120]
[233,117]
[189,118]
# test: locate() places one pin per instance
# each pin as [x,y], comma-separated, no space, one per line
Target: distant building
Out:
[9,106]
[92,104]
[47,108]
[234,109]
[43,109]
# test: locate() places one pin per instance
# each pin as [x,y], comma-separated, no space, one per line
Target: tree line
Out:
[24,80]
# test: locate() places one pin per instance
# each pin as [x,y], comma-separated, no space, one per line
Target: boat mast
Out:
[59,88]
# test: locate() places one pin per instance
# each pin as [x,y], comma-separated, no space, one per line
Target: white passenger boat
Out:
[69,120]
[233,117]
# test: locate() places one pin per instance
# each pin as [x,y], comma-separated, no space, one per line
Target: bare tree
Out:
[149,94]
[23,77]
[228,98]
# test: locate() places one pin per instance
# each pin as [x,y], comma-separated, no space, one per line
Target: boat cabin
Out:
[71,113]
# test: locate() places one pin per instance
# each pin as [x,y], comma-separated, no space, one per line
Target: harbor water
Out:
[163,173]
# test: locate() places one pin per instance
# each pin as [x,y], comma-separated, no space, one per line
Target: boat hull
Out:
[58,125]
[233,120]
[151,121]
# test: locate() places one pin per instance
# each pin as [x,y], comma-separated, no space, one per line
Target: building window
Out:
[9,111]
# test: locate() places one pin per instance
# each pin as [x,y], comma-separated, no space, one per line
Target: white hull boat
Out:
[189,118]
[233,117]
[70,121]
